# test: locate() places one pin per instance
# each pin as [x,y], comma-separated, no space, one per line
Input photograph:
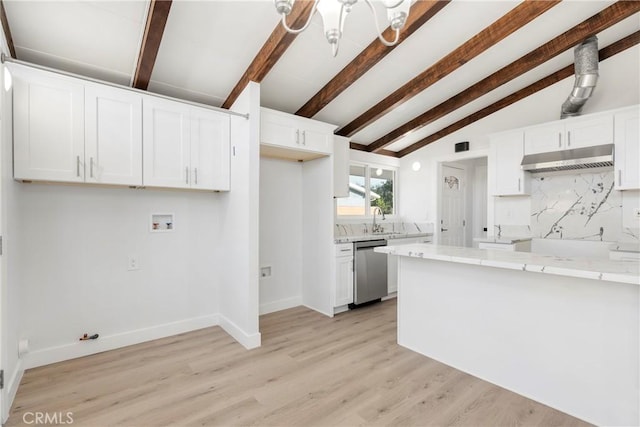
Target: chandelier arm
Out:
[375,21]
[305,26]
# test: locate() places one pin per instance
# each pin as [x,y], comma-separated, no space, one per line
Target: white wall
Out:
[71,245]
[280,234]
[618,86]
[238,225]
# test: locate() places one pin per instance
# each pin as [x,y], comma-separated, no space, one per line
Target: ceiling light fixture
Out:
[334,13]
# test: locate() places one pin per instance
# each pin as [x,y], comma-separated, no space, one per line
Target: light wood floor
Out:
[310,370]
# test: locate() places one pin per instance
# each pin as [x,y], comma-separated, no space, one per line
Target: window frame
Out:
[368,167]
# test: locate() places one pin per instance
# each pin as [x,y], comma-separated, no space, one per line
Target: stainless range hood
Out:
[578,158]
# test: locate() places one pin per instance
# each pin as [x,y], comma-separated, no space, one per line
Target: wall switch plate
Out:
[132,263]
[265,271]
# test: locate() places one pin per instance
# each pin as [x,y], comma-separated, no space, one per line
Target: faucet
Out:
[377,228]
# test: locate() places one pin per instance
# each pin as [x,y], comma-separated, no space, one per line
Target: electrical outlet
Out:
[132,263]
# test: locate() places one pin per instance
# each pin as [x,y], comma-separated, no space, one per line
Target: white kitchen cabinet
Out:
[343,294]
[210,144]
[113,136]
[392,260]
[340,166]
[48,113]
[283,130]
[570,133]
[185,146]
[505,156]
[627,149]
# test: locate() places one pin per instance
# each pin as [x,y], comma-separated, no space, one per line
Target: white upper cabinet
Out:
[113,136]
[48,112]
[283,130]
[505,156]
[574,132]
[210,143]
[185,146]
[627,151]
[341,166]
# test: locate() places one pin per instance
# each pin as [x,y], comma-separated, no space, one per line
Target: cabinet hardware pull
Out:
[186,174]
[195,170]
[91,167]
[443,229]
[569,139]
[304,137]
[78,166]
[297,136]
[619,177]
[559,140]
[519,180]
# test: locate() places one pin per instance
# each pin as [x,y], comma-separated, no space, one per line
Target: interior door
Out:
[452,207]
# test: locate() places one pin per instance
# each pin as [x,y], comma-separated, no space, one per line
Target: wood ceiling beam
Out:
[592,26]
[7,30]
[420,12]
[519,16]
[361,147]
[543,83]
[153,31]
[275,46]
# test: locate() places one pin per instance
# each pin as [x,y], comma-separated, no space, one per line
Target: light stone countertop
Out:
[508,240]
[378,236]
[597,269]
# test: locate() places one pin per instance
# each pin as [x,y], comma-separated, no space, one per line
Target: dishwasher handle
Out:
[369,244]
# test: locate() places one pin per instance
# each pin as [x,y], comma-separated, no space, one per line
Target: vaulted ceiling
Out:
[458,61]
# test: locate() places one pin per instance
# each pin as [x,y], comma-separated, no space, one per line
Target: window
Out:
[370,186]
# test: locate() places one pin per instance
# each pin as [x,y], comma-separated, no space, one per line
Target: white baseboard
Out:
[104,343]
[12,388]
[282,304]
[248,341]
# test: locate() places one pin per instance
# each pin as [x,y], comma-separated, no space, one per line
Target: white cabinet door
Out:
[166,146]
[319,142]
[627,151]
[210,161]
[344,281]
[340,166]
[285,130]
[505,156]
[113,135]
[574,132]
[48,113]
[543,139]
[278,134]
[589,131]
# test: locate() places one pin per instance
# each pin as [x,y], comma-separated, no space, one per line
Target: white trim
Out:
[79,349]
[12,389]
[282,304]
[248,341]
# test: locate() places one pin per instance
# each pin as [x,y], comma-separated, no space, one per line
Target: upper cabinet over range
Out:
[71,130]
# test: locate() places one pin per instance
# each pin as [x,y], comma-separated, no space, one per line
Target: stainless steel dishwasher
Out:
[370,276]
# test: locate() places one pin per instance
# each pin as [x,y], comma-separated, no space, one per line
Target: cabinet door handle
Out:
[297,136]
[91,167]
[619,177]
[443,229]
[195,172]
[519,183]
[186,174]
[304,137]
[569,139]
[78,166]
[559,140]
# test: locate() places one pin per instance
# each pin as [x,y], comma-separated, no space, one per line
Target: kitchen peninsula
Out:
[562,331]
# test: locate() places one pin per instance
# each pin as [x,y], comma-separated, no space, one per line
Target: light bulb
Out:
[416,166]
[378,172]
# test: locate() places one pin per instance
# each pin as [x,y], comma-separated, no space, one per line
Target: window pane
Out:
[354,204]
[382,190]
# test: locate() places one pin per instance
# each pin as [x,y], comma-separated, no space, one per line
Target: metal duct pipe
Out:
[586,69]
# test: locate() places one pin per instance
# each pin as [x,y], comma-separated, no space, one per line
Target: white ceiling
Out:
[207,46]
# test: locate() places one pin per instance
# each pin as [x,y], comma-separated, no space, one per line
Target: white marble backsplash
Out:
[578,206]
[348,229]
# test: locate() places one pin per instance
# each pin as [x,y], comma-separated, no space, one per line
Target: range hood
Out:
[578,158]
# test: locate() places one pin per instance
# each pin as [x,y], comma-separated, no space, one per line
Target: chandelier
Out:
[334,13]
